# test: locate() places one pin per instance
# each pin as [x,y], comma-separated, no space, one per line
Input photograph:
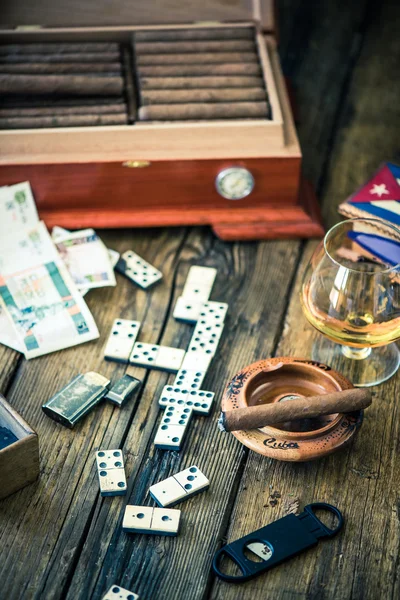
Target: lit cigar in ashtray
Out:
[288,409]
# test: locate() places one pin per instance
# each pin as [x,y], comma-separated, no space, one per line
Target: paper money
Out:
[8,336]
[114,256]
[17,210]
[86,257]
[58,233]
[17,207]
[39,297]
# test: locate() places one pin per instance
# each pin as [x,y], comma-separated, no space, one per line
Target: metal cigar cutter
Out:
[276,543]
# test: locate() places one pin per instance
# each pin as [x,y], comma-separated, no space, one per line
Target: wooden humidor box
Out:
[19,451]
[161,173]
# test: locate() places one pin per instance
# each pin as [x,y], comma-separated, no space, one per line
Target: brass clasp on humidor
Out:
[136,164]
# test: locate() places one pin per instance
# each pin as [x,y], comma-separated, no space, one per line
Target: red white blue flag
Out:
[380,196]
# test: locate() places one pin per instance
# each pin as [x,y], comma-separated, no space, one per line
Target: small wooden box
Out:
[161,173]
[19,458]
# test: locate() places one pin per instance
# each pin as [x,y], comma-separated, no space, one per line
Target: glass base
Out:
[364,367]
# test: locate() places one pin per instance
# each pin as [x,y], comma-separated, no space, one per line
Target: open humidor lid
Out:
[103,13]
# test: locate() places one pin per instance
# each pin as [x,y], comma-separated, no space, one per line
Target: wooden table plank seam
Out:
[322,184]
[371,483]
[131,481]
[149,441]
[195,433]
[110,417]
[364,557]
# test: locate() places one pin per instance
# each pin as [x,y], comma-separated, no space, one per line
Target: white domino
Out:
[213,313]
[172,396]
[121,340]
[199,283]
[138,270]
[179,487]
[206,336]
[187,309]
[196,360]
[165,521]
[170,437]
[189,379]
[175,400]
[192,480]
[145,519]
[205,339]
[179,405]
[111,472]
[196,291]
[207,332]
[200,401]
[177,415]
[190,310]
[152,356]
[168,492]
[116,592]
[137,519]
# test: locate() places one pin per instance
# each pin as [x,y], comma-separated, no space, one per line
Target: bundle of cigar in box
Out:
[64,84]
[195,74]
[162,75]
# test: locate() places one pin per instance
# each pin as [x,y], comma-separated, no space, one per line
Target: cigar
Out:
[170,83]
[210,33]
[253,417]
[150,97]
[193,70]
[199,58]
[113,68]
[59,48]
[63,121]
[20,101]
[60,111]
[74,57]
[61,84]
[179,47]
[186,112]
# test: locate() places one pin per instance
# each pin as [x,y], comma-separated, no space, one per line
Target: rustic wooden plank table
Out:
[60,539]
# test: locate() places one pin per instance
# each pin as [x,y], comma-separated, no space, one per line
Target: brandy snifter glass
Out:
[353,299]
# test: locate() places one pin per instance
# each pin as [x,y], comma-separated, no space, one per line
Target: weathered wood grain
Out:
[66,492]
[320,42]
[362,562]
[366,132]
[153,567]
[8,361]
[65,505]
[59,539]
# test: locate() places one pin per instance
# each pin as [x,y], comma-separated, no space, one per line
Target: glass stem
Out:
[356,353]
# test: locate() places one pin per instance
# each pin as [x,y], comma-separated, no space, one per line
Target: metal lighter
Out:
[77,398]
[123,389]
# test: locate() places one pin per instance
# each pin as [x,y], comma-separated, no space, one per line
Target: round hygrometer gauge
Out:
[234,183]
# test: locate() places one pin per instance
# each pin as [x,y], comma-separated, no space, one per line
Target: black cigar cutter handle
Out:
[276,542]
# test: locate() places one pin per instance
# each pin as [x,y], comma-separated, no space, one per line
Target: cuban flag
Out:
[380,197]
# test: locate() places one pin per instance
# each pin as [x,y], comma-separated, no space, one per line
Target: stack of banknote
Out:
[43,278]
